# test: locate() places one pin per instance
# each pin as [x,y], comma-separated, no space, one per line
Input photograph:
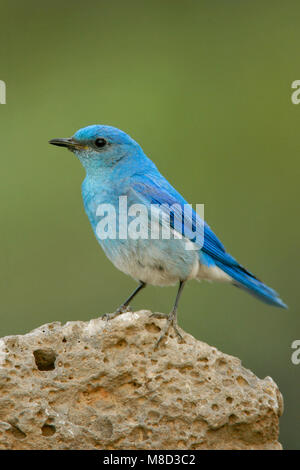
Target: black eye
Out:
[100,143]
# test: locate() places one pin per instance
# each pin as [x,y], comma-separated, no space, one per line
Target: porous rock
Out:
[103,385]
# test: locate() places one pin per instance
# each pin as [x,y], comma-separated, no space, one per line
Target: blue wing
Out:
[155,189]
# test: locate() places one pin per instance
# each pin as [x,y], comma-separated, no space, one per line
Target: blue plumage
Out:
[212,252]
[116,166]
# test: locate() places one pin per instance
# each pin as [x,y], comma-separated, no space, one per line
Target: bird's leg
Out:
[172,317]
[125,306]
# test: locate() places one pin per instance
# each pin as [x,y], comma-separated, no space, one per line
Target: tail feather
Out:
[245,280]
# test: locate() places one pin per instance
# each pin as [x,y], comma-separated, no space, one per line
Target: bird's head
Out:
[99,146]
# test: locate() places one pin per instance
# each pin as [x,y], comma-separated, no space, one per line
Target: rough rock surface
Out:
[102,385]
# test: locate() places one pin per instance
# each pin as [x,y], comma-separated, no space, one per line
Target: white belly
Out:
[212,273]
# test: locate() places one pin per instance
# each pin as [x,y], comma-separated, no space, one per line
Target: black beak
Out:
[68,143]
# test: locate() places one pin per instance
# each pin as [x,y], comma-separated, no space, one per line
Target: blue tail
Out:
[247,281]
[213,252]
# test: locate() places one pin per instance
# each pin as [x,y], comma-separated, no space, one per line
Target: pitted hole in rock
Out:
[202,359]
[16,432]
[122,343]
[48,430]
[45,358]
[241,381]
[233,419]
[222,365]
[152,328]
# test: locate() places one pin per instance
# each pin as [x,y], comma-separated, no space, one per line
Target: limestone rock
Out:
[102,385]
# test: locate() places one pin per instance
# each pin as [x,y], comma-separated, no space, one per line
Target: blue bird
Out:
[116,166]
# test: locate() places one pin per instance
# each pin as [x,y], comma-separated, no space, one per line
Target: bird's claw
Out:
[171,322]
[111,316]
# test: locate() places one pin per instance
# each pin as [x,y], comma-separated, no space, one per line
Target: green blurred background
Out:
[205,88]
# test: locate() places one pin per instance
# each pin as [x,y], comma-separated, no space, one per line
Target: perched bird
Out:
[116,166]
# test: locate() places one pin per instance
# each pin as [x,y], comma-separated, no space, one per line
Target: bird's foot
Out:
[119,311]
[171,322]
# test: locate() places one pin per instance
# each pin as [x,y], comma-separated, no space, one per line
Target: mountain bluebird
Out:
[116,166]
